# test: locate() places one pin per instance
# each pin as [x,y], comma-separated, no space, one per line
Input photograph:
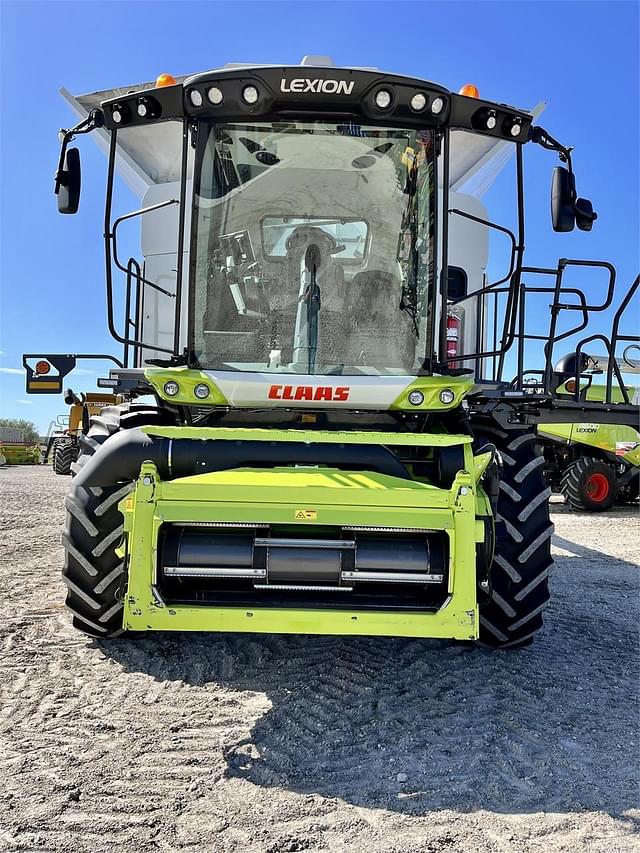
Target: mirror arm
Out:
[543,138]
[94,120]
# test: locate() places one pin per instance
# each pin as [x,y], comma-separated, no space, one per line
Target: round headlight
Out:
[116,115]
[215,96]
[491,120]
[418,102]
[447,396]
[516,127]
[171,388]
[250,94]
[142,109]
[383,99]
[416,398]
[437,105]
[201,391]
[195,97]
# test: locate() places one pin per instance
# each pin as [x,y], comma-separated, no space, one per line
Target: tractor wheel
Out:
[93,572]
[511,608]
[589,485]
[65,454]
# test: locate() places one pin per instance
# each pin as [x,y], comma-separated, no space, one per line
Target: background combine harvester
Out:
[594,465]
[342,436]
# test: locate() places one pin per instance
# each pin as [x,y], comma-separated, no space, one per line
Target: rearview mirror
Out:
[563,193]
[69,182]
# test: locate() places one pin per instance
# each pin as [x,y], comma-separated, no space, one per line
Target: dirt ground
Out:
[257,743]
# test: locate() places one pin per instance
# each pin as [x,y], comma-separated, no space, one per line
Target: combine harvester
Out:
[594,465]
[326,450]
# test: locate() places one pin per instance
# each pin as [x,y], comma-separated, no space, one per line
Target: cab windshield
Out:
[312,248]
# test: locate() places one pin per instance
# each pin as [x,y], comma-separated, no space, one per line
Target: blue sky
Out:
[581,57]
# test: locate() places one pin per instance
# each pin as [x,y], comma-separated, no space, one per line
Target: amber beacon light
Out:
[165,80]
[469,91]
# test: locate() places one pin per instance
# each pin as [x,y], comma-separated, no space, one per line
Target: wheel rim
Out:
[598,487]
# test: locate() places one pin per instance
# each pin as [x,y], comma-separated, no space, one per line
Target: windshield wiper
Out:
[409,298]
[312,298]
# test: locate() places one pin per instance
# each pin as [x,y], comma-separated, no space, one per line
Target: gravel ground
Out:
[258,743]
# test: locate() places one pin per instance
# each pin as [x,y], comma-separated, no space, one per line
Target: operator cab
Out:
[310,221]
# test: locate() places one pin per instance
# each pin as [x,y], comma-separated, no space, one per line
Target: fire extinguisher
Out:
[454,337]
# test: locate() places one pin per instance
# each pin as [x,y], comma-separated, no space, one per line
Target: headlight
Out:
[120,113]
[447,396]
[148,107]
[171,388]
[416,398]
[250,94]
[418,102]
[491,120]
[201,391]
[215,96]
[516,127]
[383,99]
[437,105]
[195,97]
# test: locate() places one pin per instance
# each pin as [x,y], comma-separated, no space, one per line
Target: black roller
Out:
[393,555]
[183,547]
[304,566]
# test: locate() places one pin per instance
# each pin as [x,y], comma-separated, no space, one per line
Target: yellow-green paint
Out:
[186,379]
[596,393]
[401,439]
[480,464]
[431,386]
[20,454]
[274,497]
[623,441]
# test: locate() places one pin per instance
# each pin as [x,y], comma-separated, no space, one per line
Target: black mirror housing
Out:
[563,215]
[585,214]
[69,182]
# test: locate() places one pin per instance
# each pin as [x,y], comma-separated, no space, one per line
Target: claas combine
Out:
[309,439]
[595,466]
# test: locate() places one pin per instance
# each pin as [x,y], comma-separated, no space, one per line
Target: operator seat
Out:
[330,280]
[377,332]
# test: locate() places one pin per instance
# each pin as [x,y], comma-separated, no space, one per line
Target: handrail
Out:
[615,337]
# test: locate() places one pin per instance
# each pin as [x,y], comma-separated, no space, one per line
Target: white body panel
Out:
[284,390]
[159,243]
[468,250]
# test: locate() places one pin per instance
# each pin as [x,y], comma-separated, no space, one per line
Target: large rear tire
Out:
[589,485]
[65,453]
[511,609]
[93,572]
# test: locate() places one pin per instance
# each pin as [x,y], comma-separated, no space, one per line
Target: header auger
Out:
[319,433]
